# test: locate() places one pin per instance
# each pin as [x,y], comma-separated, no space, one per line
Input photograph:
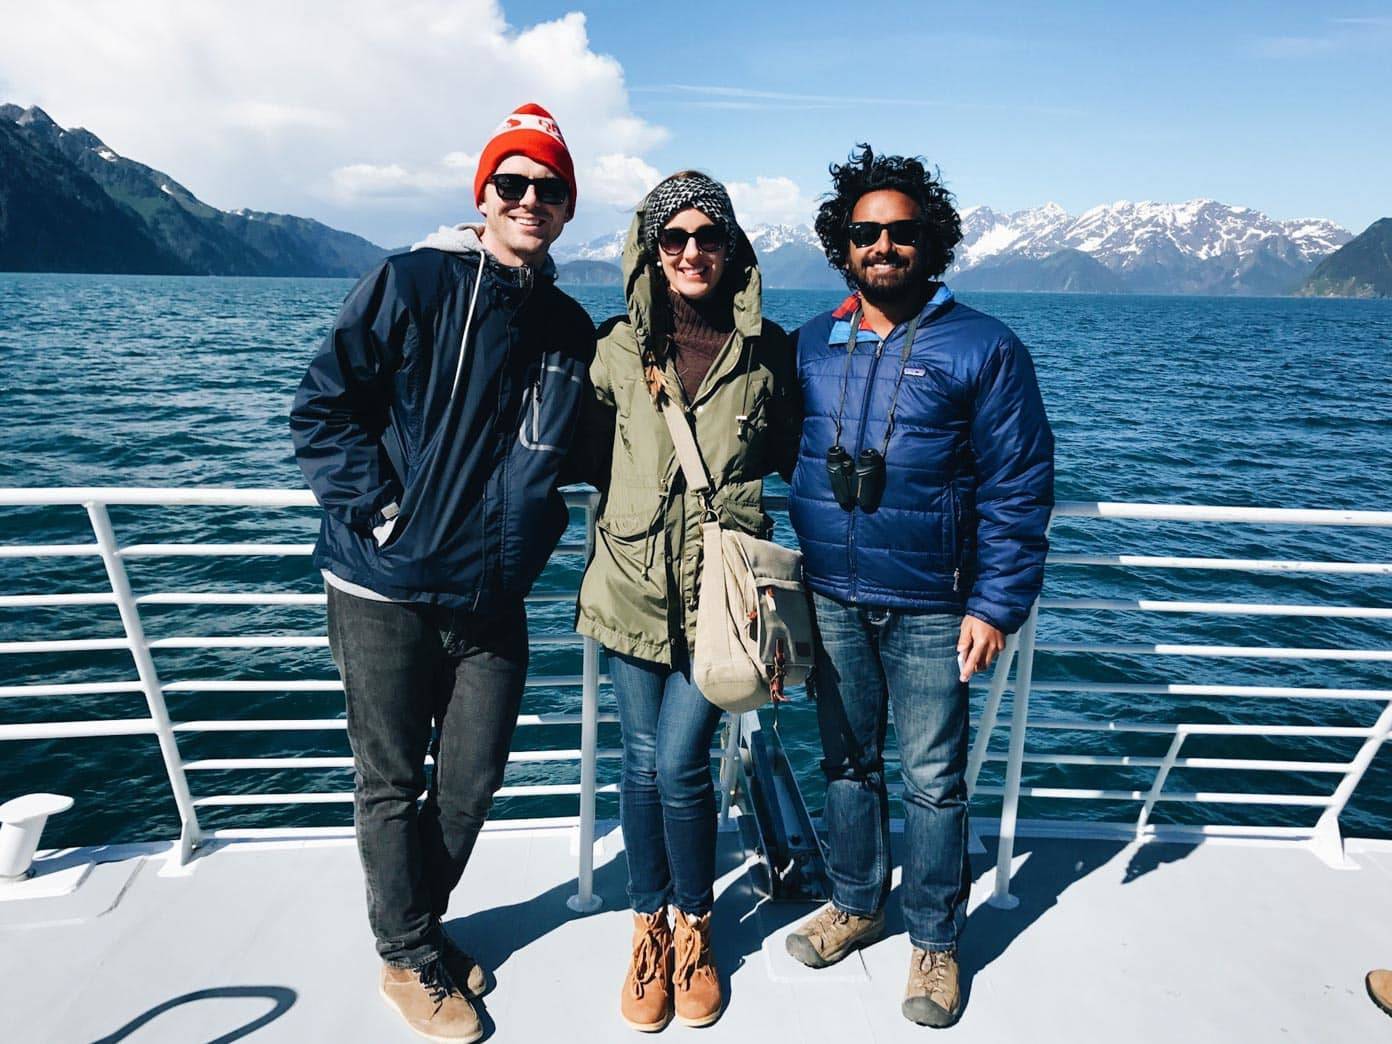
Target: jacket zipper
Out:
[956,552]
[860,444]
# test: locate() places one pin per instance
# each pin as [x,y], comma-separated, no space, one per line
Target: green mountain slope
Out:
[1361,267]
[54,218]
[203,239]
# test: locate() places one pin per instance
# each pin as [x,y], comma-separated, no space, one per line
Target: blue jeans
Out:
[667,798]
[868,659]
[416,678]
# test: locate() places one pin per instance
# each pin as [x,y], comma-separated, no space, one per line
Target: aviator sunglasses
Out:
[867,233]
[709,239]
[512,187]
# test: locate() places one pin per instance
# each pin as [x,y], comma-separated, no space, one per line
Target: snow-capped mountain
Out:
[1200,246]
[602,248]
[767,238]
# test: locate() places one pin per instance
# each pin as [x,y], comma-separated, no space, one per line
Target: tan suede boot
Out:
[468,974]
[1379,985]
[646,1001]
[695,984]
[431,1003]
[933,996]
[830,934]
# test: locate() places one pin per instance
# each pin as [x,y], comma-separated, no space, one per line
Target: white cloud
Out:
[619,180]
[453,174]
[771,201]
[300,107]
[271,117]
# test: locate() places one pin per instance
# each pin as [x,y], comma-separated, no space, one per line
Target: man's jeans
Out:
[867,659]
[667,798]
[422,678]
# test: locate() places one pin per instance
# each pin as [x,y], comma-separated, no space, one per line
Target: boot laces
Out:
[647,958]
[693,950]
[826,921]
[437,982]
[931,970]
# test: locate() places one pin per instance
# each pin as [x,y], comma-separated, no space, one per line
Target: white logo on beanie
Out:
[527,121]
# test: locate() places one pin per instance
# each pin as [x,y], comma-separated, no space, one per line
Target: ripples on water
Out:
[167,381]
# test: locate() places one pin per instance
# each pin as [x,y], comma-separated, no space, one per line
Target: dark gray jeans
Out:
[422,678]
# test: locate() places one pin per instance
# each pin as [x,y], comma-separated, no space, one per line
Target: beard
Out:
[905,280]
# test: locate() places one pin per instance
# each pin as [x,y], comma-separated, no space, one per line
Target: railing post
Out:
[1161,775]
[1019,723]
[727,767]
[584,900]
[190,836]
[1327,840]
[989,711]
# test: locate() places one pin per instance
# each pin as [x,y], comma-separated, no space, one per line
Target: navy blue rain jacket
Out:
[474,473]
[969,467]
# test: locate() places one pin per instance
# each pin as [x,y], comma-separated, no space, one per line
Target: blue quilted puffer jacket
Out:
[969,465]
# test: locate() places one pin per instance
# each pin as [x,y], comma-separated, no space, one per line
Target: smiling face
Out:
[884,270]
[694,273]
[520,232]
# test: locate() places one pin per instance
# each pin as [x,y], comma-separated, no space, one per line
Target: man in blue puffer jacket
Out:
[921,498]
[433,427]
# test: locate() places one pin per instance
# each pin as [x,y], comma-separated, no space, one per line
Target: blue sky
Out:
[370,117]
[1276,106]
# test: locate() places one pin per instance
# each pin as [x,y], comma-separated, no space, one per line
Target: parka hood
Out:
[645,289]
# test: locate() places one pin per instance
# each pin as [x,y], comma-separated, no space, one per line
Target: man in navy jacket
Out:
[433,426]
[921,498]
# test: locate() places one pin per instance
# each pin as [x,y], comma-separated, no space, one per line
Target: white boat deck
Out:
[268,941]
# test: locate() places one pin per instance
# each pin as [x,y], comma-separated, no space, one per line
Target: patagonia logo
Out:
[915,371]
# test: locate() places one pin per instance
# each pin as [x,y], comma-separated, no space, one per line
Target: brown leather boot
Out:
[431,1003]
[695,985]
[646,1001]
[1379,985]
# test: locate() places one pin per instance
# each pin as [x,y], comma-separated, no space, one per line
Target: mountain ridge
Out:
[1362,267]
[190,236]
[1196,246]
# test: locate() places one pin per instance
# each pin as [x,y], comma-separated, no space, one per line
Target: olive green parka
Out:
[640,589]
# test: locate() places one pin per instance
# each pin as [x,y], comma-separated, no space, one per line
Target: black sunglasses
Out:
[512,187]
[867,233]
[709,239]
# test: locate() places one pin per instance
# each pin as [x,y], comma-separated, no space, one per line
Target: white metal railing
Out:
[159,724]
[1018,659]
[1325,837]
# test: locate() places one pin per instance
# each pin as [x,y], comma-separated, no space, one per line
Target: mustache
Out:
[897,260]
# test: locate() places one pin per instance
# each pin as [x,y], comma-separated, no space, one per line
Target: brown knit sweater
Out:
[699,330]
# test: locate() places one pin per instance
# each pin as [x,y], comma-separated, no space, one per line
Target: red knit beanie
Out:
[530,132]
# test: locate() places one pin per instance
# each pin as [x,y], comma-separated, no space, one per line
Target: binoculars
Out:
[859,481]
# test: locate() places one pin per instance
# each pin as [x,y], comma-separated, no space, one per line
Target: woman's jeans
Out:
[667,799]
[423,678]
[868,659]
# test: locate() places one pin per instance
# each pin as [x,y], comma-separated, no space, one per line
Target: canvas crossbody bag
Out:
[753,620]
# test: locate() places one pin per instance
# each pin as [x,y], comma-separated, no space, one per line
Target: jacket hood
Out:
[467,238]
[645,288]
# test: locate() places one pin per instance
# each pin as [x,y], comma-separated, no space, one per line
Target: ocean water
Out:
[186,381]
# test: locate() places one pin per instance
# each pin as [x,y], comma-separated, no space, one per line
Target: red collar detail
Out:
[847,307]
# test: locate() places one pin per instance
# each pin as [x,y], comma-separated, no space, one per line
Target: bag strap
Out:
[688,455]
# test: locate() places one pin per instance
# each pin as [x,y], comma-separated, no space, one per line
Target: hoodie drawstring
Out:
[468,322]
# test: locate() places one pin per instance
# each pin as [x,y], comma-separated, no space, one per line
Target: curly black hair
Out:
[866,172]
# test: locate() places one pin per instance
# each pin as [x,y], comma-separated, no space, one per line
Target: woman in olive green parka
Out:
[694,336]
